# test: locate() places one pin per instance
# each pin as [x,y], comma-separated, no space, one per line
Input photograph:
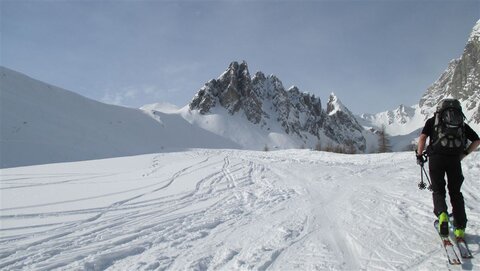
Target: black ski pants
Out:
[439,165]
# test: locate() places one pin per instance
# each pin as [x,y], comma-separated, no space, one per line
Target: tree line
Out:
[384,145]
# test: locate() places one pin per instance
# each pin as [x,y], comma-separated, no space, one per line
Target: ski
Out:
[463,248]
[460,242]
[449,247]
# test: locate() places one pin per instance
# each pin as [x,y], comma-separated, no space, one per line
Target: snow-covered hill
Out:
[41,123]
[461,80]
[228,210]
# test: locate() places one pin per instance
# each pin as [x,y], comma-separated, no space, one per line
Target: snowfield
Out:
[227,210]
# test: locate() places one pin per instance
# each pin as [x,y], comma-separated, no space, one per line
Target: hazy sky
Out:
[374,55]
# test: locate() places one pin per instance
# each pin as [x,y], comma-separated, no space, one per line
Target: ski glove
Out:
[421,159]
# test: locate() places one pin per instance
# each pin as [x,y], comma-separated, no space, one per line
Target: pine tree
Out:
[318,146]
[383,141]
[350,147]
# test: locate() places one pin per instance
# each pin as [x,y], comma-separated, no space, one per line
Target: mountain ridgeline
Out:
[264,101]
[41,123]
[461,80]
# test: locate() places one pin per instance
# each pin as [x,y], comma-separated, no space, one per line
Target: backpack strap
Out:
[436,125]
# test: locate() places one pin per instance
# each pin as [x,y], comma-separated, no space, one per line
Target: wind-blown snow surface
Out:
[227,209]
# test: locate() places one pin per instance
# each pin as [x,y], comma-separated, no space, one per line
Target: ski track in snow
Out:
[227,210]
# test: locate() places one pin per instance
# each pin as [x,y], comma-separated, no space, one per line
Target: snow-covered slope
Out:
[227,210]
[41,123]
[461,80]
[234,127]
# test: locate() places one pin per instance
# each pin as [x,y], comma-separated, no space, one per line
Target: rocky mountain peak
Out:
[259,76]
[340,122]
[334,105]
[266,86]
[263,100]
[403,110]
[232,90]
[461,80]
[475,35]
[236,71]
[402,114]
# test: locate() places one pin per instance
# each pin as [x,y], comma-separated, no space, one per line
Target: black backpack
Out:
[448,135]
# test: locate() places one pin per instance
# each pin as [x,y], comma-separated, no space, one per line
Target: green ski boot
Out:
[443,224]
[459,233]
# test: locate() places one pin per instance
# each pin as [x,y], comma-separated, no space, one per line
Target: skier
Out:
[447,147]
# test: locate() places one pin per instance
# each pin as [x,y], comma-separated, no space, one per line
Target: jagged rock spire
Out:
[233,90]
[263,99]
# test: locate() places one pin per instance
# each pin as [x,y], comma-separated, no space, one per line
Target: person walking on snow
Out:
[447,147]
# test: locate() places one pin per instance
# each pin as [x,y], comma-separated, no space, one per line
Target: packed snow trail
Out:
[228,210]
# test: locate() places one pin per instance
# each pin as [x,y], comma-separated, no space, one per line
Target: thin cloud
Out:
[136,96]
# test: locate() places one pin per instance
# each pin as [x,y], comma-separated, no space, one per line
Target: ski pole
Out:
[428,179]
[421,184]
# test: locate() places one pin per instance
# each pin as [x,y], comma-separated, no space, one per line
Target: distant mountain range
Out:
[41,123]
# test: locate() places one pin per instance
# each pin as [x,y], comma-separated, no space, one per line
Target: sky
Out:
[374,55]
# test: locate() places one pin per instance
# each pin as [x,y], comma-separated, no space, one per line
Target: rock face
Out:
[263,100]
[461,80]
[233,91]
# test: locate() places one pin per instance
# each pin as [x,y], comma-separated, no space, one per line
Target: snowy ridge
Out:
[227,210]
[41,124]
[162,107]
[401,121]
